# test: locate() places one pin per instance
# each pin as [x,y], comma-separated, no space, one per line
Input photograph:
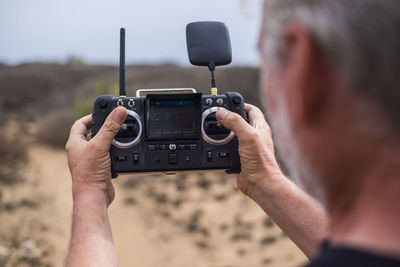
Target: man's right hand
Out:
[296,213]
[256,148]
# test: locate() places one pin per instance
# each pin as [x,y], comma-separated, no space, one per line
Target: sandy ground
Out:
[185,220]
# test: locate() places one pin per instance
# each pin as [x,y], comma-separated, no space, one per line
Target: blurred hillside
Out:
[51,93]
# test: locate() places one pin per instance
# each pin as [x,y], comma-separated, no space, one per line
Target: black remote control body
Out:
[171,132]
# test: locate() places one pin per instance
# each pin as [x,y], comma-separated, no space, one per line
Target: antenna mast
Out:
[122,89]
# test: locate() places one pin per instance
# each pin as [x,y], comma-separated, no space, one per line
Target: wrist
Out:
[89,194]
[266,183]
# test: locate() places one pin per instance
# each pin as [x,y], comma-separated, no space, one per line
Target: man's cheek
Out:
[269,92]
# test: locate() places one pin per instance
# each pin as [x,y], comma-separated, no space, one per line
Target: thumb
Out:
[236,123]
[110,128]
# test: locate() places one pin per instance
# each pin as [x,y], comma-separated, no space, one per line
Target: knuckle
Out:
[227,119]
[75,124]
[232,117]
[258,110]
[94,146]
[251,136]
[68,147]
[111,126]
[268,129]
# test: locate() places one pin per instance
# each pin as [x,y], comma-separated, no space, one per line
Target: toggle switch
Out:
[209,155]
[136,158]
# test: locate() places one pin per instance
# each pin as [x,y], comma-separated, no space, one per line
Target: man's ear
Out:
[306,75]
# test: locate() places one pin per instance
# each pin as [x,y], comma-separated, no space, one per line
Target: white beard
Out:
[295,157]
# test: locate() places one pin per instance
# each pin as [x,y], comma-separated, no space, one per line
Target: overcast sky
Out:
[53,30]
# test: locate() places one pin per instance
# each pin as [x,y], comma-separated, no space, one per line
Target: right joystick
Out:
[213,132]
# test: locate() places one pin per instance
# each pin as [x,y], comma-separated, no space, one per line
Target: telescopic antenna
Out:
[122,89]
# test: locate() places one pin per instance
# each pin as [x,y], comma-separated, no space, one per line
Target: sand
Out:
[185,220]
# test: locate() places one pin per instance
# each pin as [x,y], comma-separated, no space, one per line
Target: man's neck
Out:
[372,221]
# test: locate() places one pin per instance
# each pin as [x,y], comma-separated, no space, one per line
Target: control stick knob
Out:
[132,128]
[213,132]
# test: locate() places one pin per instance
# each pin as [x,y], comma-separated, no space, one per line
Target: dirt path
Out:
[196,220]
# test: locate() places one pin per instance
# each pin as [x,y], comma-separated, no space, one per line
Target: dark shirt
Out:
[343,257]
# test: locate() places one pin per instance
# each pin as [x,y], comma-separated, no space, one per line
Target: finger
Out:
[236,123]
[89,136]
[81,127]
[256,117]
[110,128]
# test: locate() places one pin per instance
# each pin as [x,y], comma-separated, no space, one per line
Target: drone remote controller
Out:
[169,130]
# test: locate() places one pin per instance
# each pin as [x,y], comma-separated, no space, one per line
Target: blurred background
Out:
[56,57]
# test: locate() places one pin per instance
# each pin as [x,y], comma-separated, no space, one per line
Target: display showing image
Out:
[172,119]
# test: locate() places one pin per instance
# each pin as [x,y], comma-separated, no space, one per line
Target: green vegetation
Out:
[83,104]
[53,96]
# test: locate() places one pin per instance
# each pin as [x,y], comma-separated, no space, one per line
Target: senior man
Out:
[330,81]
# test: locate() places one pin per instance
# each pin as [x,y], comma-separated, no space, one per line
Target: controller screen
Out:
[172,119]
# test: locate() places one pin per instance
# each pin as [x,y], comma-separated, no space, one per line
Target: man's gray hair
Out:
[361,38]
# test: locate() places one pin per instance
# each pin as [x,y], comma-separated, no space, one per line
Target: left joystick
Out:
[131,129]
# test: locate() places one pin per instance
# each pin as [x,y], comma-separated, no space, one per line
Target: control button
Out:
[121,158]
[209,155]
[223,155]
[129,129]
[151,147]
[135,157]
[182,146]
[103,103]
[220,101]
[209,101]
[131,103]
[163,147]
[172,147]
[236,100]
[120,103]
[173,158]
[187,159]
[193,146]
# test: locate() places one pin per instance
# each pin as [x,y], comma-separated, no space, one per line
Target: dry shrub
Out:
[244,80]
[17,89]
[54,128]
[19,247]
[54,95]
[83,101]
[13,155]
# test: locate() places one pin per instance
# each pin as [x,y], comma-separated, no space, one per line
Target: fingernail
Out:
[120,114]
[221,113]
